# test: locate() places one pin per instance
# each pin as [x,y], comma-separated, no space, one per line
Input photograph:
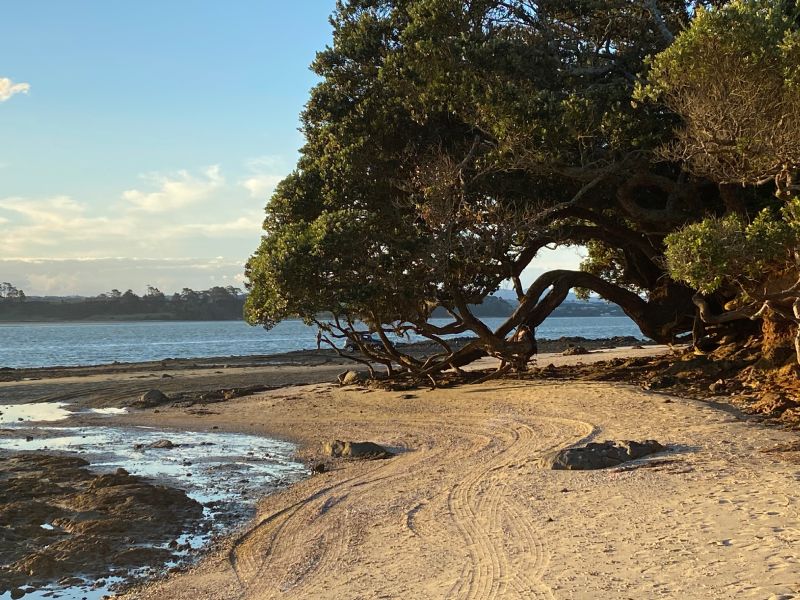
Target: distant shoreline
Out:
[161,319]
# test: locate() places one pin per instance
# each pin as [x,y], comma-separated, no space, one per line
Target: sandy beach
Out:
[465,510]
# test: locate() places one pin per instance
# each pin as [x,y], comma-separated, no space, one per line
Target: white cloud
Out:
[261,186]
[179,214]
[244,224]
[176,191]
[91,276]
[266,172]
[8,88]
[50,222]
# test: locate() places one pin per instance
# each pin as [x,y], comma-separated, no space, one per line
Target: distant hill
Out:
[505,304]
[571,307]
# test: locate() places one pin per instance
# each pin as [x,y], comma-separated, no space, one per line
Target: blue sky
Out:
[141,140]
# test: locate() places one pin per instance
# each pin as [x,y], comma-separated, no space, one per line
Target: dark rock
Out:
[718,387]
[150,399]
[599,455]
[354,450]
[660,382]
[16,593]
[706,344]
[165,444]
[575,351]
[318,468]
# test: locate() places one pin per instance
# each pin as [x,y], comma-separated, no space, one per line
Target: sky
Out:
[141,141]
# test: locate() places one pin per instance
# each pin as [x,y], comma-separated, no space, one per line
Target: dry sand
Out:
[463,510]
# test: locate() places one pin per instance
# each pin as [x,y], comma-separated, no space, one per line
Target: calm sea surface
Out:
[49,344]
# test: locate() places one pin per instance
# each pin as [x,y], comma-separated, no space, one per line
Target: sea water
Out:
[67,344]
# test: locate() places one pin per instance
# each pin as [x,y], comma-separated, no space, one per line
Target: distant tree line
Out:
[214,304]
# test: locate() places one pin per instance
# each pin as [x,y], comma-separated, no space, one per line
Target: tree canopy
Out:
[449,142]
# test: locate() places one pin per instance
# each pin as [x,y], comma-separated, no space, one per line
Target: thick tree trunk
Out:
[668,312]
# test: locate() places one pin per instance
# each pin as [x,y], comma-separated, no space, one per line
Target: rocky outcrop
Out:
[355,450]
[575,351]
[599,455]
[57,519]
[150,399]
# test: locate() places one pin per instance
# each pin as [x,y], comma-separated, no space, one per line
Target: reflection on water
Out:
[12,414]
[211,467]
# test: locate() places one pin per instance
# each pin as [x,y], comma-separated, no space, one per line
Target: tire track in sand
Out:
[490,523]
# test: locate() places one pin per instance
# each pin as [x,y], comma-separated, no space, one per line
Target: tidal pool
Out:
[225,472]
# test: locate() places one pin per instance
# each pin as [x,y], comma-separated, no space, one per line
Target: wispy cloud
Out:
[175,191]
[172,214]
[182,214]
[261,186]
[50,223]
[59,276]
[266,173]
[8,88]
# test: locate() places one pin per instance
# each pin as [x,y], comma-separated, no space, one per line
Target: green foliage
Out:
[604,261]
[437,129]
[733,77]
[716,252]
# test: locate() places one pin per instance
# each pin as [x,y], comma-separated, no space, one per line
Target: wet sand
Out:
[464,511]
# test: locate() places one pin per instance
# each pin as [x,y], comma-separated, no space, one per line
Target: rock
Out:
[165,444]
[706,344]
[150,399]
[660,382]
[16,593]
[348,378]
[354,450]
[318,468]
[575,351]
[599,455]
[718,387]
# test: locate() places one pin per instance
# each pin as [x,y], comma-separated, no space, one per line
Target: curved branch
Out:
[707,317]
[677,194]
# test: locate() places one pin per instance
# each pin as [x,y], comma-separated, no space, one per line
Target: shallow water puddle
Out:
[11,414]
[20,414]
[211,467]
[226,473]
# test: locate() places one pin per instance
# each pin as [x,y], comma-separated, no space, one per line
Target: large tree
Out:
[734,78]
[449,142]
